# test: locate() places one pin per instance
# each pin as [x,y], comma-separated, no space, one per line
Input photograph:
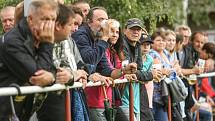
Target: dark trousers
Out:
[159,113]
[146,113]
[22,105]
[53,108]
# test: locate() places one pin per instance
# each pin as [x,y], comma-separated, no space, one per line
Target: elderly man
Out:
[7,18]
[70,66]
[26,55]
[132,53]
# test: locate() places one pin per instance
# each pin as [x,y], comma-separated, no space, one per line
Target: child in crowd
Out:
[146,109]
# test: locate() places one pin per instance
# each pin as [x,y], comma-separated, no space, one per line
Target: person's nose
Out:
[7,22]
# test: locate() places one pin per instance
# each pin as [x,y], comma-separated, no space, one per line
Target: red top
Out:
[94,95]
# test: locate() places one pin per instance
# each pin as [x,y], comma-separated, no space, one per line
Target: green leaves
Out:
[153,12]
[199,12]
[149,11]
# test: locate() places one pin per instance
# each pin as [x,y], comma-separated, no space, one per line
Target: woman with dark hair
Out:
[208,51]
[158,55]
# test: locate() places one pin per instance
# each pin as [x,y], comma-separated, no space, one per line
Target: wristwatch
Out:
[71,80]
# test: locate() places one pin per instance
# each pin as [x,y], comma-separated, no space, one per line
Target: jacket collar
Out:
[26,33]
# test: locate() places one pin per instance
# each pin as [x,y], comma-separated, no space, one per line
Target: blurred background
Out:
[197,14]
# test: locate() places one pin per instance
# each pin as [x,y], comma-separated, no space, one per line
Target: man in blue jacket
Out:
[91,40]
[92,44]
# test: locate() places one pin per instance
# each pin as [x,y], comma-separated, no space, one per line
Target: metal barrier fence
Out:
[8,91]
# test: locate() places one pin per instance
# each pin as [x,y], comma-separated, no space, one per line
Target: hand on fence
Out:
[157,74]
[131,68]
[84,82]
[79,74]
[198,70]
[95,77]
[42,78]
[63,76]
[131,77]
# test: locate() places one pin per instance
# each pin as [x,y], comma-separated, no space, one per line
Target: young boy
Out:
[146,103]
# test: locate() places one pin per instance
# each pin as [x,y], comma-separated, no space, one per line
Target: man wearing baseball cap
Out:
[132,53]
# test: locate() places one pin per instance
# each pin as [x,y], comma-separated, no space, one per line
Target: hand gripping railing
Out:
[8,91]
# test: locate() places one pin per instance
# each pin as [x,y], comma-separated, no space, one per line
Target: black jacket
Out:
[191,56]
[19,60]
[133,54]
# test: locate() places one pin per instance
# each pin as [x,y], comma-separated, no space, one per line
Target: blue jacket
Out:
[92,50]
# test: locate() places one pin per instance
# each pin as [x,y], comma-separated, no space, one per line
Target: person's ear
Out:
[57,26]
[29,20]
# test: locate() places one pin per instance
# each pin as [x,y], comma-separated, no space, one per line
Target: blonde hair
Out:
[169,32]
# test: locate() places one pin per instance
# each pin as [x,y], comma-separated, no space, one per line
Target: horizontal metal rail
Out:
[7,91]
[206,75]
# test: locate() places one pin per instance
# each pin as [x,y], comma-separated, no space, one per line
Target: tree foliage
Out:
[4,3]
[154,13]
[150,11]
[199,12]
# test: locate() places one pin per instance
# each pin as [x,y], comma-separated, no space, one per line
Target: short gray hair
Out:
[36,4]
[6,9]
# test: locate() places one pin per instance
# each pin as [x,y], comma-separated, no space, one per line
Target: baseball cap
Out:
[145,38]
[134,22]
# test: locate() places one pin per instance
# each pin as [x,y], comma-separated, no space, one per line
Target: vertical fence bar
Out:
[197,97]
[169,108]
[68,105]
[131,102]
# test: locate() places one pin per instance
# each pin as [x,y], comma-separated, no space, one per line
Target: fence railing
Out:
[7,91]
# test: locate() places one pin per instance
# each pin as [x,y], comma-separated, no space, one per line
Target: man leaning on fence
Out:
[26,54]
[68,61]
[91,40]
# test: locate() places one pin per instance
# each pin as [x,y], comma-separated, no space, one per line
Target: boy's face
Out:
[145,48]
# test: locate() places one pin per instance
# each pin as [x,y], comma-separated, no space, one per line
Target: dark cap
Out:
[145,38]
[134,22]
